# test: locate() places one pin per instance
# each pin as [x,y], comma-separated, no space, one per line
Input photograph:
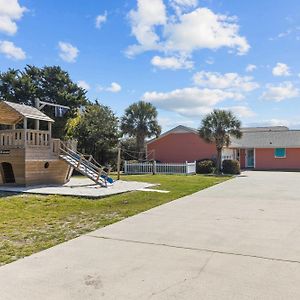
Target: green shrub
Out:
[231,167]
[205,166]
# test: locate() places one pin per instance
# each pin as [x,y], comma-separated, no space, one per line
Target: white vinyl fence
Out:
[159,168]
[227,157]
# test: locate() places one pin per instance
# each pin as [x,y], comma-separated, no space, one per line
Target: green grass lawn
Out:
[31,223]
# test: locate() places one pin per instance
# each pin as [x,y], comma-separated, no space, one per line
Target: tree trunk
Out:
[219,161]
[140,141]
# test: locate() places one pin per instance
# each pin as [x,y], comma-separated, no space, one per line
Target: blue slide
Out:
[108,179]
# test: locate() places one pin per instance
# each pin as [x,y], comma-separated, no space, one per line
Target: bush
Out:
[231,167]
[205,166]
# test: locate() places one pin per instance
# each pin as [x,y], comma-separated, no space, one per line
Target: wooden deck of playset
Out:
[29,156]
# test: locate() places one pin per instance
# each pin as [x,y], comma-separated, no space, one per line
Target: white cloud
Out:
[101,19]
[285,33]
[281,70]
[189,32]
[283,91]
[212,89]
[251,68]
[185,3]
[181,6]
[231,81]
[170,122]
[10,12]
[113,88]
[144,20]
[290,32]
[210,61]
[295,123]
[241,111]
[201,29]
[11,51]
[83,84]
[276,122]
[172,62]
[190,101]
[68,52]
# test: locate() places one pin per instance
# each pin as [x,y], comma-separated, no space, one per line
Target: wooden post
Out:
[79,162]
[37,124]
[119,162]
[99,174]
[25,123]
[50,133]
[25,131]
[37,103]
[154,168]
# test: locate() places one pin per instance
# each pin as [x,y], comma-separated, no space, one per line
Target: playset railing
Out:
[24,137]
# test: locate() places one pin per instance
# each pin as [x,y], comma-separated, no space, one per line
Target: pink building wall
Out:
[181,147]
[265,160]
[242,158]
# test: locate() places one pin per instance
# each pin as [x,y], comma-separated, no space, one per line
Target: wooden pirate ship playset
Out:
[30,156]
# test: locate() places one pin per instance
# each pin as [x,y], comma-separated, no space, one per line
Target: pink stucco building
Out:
[264,148]
[180,144]
[269,148]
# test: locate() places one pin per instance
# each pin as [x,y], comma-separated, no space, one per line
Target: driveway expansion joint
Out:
[195,249]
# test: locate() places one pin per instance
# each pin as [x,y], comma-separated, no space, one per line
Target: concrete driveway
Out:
[237,240]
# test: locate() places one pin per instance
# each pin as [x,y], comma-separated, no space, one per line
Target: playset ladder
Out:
[85,164]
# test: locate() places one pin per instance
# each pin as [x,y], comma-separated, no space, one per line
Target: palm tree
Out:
[217,127]
[140,121]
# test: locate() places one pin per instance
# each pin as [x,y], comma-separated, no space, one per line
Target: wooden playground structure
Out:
[30,156]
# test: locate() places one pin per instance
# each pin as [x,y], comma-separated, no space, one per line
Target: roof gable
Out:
[12,113]
[178,129]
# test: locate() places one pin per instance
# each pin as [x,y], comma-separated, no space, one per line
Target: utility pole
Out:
[119,162]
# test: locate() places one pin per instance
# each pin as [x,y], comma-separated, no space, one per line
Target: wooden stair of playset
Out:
[84,164]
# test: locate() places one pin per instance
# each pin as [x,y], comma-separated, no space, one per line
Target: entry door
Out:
[250,158]
[8,173]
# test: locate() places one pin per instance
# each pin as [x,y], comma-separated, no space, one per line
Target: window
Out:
[280,153]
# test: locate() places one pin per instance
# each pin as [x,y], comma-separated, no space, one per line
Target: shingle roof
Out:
[268,139]
[254,137]
[269,128]
[11,113]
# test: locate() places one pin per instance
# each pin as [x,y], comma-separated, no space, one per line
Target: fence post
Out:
[186,168]
[154,167]
[119,162]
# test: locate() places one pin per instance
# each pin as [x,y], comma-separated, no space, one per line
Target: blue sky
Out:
[185,56]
